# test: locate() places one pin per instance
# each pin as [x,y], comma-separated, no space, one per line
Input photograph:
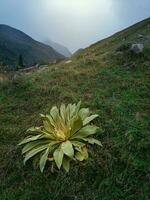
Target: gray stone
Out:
[147,37]
[137,48]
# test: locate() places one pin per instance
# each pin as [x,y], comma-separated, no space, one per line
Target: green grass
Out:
[120,95]
[117,171]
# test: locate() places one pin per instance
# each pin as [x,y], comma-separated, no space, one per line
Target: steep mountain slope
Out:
[59,48]
[116,49]
[118,93]
[14,43]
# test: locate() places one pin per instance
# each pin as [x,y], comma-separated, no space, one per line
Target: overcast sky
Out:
[73,23]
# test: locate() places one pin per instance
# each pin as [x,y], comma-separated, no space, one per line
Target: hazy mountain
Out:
[78,51]
[14,43]
[59,48]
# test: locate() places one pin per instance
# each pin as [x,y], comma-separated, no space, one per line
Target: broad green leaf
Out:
[85,153]
[63,112]
[68,113]
[76,124]
[77,107]
[47,135]
[84,113]
[58,122]
[85,132]
[77,143]
[31,138]
[72,110]
[33,152]
[48,122]
[82,154]
[89,119]
[44,159]
[58,157]
[66,164]
[33,144]
[47,126]
[50,119]
[67,148]
[79,156]
[93,141]
[54,113]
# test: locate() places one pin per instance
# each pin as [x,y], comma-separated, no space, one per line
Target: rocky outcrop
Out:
[137,48]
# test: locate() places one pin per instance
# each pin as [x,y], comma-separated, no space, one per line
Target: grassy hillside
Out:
[14,43]
[106,51]
[115,90]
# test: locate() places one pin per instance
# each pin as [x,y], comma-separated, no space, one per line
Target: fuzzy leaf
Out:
[79,156]
[89,119]
[77,143]
[76,124]
[66,164]
[71,110]
[33,152]
[54,113]
[78,107]
[85,153]
[67,148]
[50,119]
[85,132]
[58,157]
[47,135]
[31,138]
[84,113]
[44,159]
[63,112]
[93,141]
[47,126]
[33,144]
[82,154]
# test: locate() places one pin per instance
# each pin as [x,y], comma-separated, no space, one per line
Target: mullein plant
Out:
[62,138]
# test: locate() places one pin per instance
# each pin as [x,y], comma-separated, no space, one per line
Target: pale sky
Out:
[73,23]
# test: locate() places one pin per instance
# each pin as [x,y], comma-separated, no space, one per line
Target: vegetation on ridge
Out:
[118,93]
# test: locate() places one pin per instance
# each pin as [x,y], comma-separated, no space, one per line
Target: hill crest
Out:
[14,42]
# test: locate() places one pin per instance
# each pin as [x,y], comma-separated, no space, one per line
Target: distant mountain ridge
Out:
[78,51]
[59,48]
[14,42]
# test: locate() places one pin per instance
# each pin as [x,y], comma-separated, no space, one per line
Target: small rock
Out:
[137,48]
[68,61]
[147,37]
